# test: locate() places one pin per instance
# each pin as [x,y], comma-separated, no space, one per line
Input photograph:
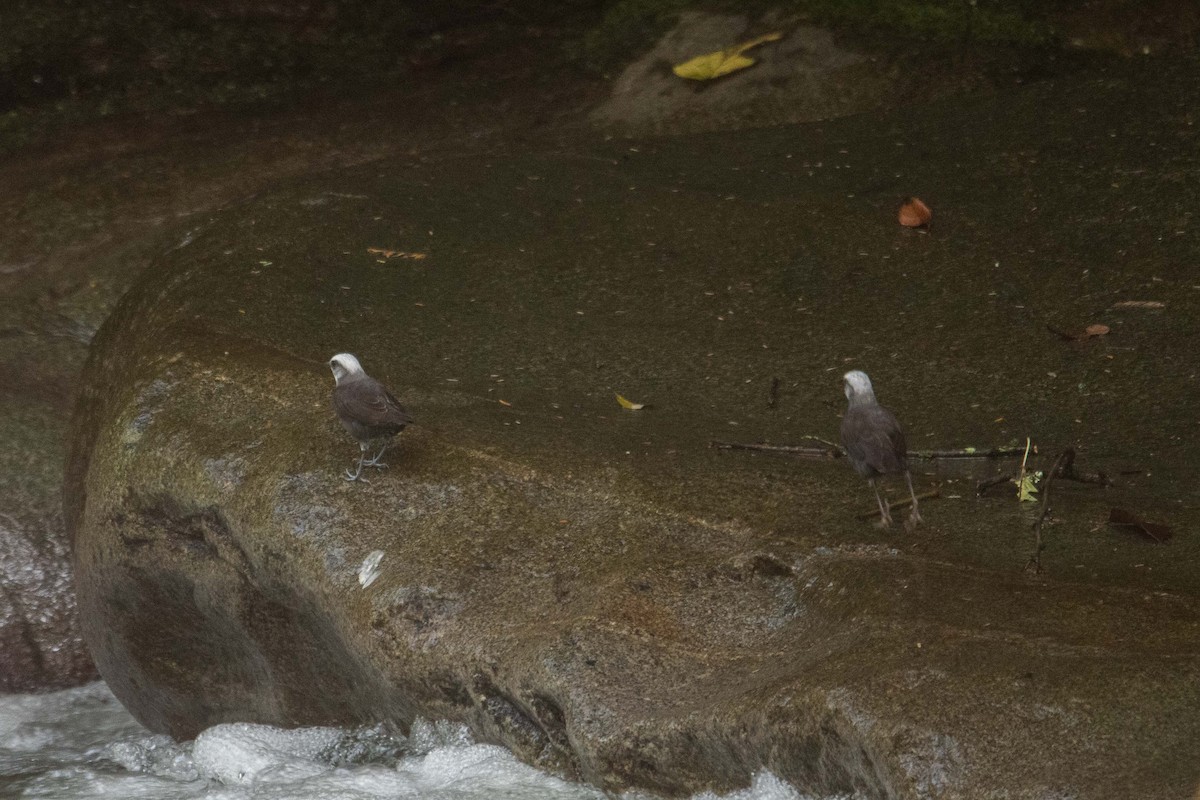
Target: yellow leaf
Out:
[1027,487]
[629,404]
[722,62]
[388,254]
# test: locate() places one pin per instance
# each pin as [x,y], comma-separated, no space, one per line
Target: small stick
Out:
[809,452]
[968,452]
[1035,560]
[826,442]
[983,486]
[1065,473]
[930,495]
[832,450]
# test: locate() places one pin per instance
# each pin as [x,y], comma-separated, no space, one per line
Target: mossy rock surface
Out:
[600,590]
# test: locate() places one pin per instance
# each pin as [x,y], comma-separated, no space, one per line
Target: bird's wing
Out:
[873,437]
[370,403]
[397,411]
[890,450]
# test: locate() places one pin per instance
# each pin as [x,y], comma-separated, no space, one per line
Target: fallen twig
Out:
[1065,458]
[1066,472]
[983,486]
[930,495]
[833,450]
[793,449]
[968,452]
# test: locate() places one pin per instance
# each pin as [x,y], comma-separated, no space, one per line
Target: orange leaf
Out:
[1095,330]
[914,213]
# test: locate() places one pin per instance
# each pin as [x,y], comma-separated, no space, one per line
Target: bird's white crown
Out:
[858,386]
[345,365]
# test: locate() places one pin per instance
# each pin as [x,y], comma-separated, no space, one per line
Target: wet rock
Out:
[599,590]
[41,644]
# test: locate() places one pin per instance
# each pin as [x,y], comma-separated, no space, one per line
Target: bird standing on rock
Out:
[874,442]
[366,409]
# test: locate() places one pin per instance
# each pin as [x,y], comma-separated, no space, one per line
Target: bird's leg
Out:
[914,517]
[362,454]
[375,462]
[885,514]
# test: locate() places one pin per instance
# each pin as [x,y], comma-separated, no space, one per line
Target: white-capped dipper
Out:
[366,409]
[874,442]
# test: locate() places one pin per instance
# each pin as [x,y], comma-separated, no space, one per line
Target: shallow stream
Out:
[81,743]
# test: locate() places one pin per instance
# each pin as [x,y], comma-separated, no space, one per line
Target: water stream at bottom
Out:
[81,743]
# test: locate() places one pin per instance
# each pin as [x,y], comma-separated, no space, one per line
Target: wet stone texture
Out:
[599,589]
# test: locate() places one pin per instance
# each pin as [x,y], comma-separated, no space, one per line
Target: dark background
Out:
[67,61]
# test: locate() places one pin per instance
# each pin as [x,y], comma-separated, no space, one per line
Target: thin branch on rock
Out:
[833,450]
[1065,459]
[983,486]
[1066,472]
[792,449]
[968,452]
[930,495]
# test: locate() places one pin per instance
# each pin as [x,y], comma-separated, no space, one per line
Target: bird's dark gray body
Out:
[366,409]
[874,441]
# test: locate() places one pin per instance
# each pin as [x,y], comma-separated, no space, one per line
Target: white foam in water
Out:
[765,786]
[81,743]
[242,753]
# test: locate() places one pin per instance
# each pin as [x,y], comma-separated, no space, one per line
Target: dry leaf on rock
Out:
[632,406]
[1131,522]
[1027,487]
[914,213]
[722,62]
[390,254]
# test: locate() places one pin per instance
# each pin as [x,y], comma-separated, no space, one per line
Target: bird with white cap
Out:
[874,442]
[366,409]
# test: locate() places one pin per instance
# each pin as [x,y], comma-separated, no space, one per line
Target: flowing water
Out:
[81,743]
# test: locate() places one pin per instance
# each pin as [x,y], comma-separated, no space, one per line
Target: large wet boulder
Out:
[600,590]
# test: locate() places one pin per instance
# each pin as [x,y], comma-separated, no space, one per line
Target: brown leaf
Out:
[1095,329]
[1150,530]
[914,213]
